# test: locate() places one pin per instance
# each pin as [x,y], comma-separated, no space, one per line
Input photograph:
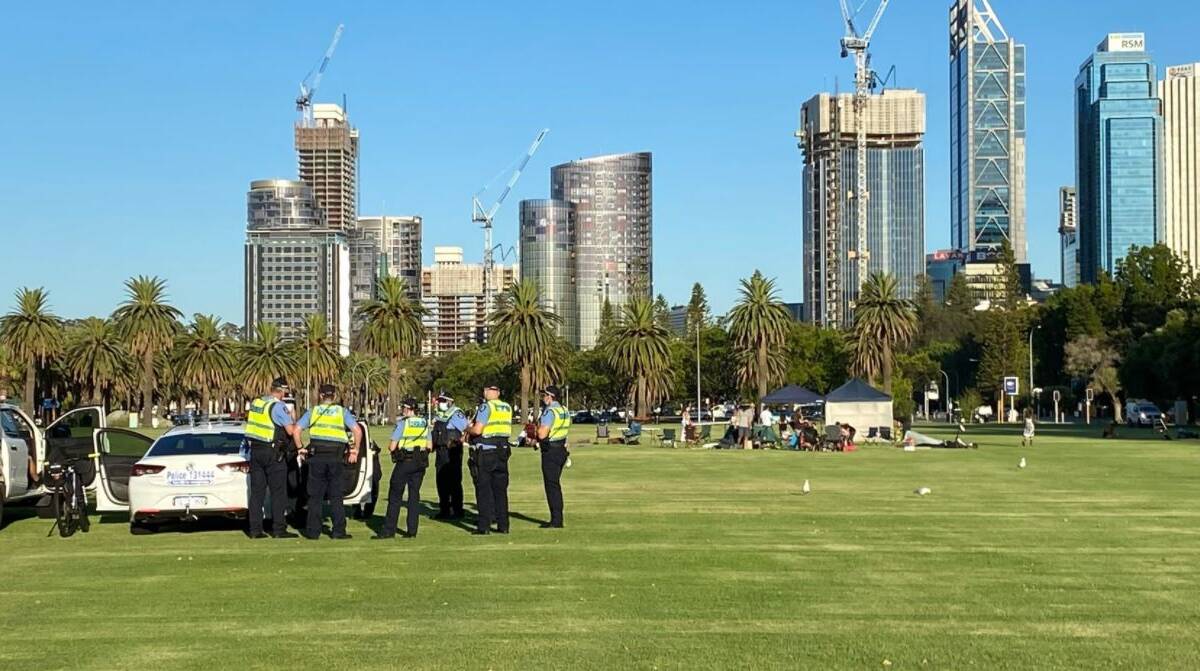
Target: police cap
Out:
[445,396]
[327,390]
[552,390]
[409,403]
[280,383]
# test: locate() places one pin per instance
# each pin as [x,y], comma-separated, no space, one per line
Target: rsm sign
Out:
[1124,42]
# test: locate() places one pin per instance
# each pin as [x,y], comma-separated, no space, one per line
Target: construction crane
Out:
[308,87]
[864,80]
[484,216]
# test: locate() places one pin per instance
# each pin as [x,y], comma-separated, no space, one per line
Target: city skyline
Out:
[749,169]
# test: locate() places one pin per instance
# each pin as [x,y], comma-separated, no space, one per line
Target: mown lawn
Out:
[672,559]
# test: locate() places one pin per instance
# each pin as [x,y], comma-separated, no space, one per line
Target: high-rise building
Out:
[328,155]
[940,267]
[547,252]
[677,320]
[1181,131]
[395,242]
[612,199]
[987,131]
[1119,153]
[896,203]
[296,264]
[1068,232]
[453,297]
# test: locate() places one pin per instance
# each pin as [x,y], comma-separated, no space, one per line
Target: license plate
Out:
[190,477]
[190,501]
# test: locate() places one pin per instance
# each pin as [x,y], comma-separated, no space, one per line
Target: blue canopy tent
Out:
[793,394]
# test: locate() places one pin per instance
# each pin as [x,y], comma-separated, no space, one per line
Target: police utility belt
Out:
[328,448]
[402,454]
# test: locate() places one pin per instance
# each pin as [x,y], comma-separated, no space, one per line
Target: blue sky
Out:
[133,130]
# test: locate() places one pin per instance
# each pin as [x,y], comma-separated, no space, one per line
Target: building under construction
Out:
[327,148]
[895,226]
[452,293]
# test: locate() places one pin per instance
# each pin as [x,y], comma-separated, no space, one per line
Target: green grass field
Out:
[671,559]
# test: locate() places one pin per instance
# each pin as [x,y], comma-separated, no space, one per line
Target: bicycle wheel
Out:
[61,514]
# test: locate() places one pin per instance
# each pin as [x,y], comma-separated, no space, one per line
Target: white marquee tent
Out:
[860,405]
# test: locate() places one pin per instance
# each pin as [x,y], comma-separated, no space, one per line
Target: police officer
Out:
[409,447]
[492,428]
[270,434]
[449,426]
[552,441]
[333,433]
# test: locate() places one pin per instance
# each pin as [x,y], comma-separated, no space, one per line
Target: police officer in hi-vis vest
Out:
[334,436]
[269,433]
[449,427]
[410,455]
[552,441]
[490,453]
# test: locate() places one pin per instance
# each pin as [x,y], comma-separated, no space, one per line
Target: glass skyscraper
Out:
[611,196]
[547,257]
[987,131]
[1119,153]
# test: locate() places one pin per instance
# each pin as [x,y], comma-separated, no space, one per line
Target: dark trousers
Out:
[554,457]
[325,479]
[449,480]
[406,474]
[267,470]
[491,488]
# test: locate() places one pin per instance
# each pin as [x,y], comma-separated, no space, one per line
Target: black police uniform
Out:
[554,458]
[489,458]
[268,470]
[407,473]
[448,458]
[326,480]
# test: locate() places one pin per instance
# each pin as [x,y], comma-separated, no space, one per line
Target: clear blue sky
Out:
[132,134]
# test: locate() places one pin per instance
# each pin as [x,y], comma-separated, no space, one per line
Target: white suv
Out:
[1141,412]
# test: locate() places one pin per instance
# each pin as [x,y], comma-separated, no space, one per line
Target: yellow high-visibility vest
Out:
[413,435]
[561,424]
[327,422]
[259,425]
[499,423]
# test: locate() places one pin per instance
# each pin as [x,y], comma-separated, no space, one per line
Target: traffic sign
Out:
[1091,394]
[1011,386]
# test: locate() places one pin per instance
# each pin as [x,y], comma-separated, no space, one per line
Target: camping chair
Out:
[729,440]
[766,435]
[667,437]
[602,431]
[833,438]
[705,434]
[631,435]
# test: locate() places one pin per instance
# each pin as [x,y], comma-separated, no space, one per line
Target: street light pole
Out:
[1037,327]
[946,398]
[699,415]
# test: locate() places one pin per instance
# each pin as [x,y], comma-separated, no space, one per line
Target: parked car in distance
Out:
[583,417]
[1140,412]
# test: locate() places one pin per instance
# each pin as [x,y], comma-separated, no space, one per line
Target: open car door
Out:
[360,475]
[116,450]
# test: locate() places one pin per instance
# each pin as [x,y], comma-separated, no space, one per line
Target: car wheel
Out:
[142,528]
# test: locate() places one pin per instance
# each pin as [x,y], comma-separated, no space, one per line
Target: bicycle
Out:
[67,499]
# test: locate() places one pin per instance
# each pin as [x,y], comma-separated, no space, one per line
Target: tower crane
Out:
[484,216]
[308,87]
[864,79]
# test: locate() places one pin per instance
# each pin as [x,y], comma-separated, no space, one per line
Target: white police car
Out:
[190,472]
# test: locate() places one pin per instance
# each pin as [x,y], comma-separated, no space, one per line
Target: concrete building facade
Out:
[896,201]
[1181,133]
[295,263]
[1068,236]
[328,156]
[453,297]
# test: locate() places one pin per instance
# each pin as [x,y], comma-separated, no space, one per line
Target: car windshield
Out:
[196,443]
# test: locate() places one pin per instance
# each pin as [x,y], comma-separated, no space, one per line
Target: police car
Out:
[190,472]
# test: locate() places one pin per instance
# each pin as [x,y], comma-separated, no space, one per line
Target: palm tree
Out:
[148,324]
[263,358]
[883,323]
[391,329]
[96,358]
[317,351]
[32,334]
[204,357]
[524,333]
[759,325]
[639,349]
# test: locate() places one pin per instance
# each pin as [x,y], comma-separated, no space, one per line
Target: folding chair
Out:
[667,437]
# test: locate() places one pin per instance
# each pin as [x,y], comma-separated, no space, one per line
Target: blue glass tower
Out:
[1119,153]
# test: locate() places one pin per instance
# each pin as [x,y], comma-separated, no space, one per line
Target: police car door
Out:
[357,485]
[116,450]
[69,438]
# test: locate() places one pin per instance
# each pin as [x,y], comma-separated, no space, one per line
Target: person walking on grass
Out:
[1027,432]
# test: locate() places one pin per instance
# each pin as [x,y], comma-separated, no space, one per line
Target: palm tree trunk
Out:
[762,378]
[30,384]
[204,398]
[147,386]
[393,388]
[887,366]
[525,392]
